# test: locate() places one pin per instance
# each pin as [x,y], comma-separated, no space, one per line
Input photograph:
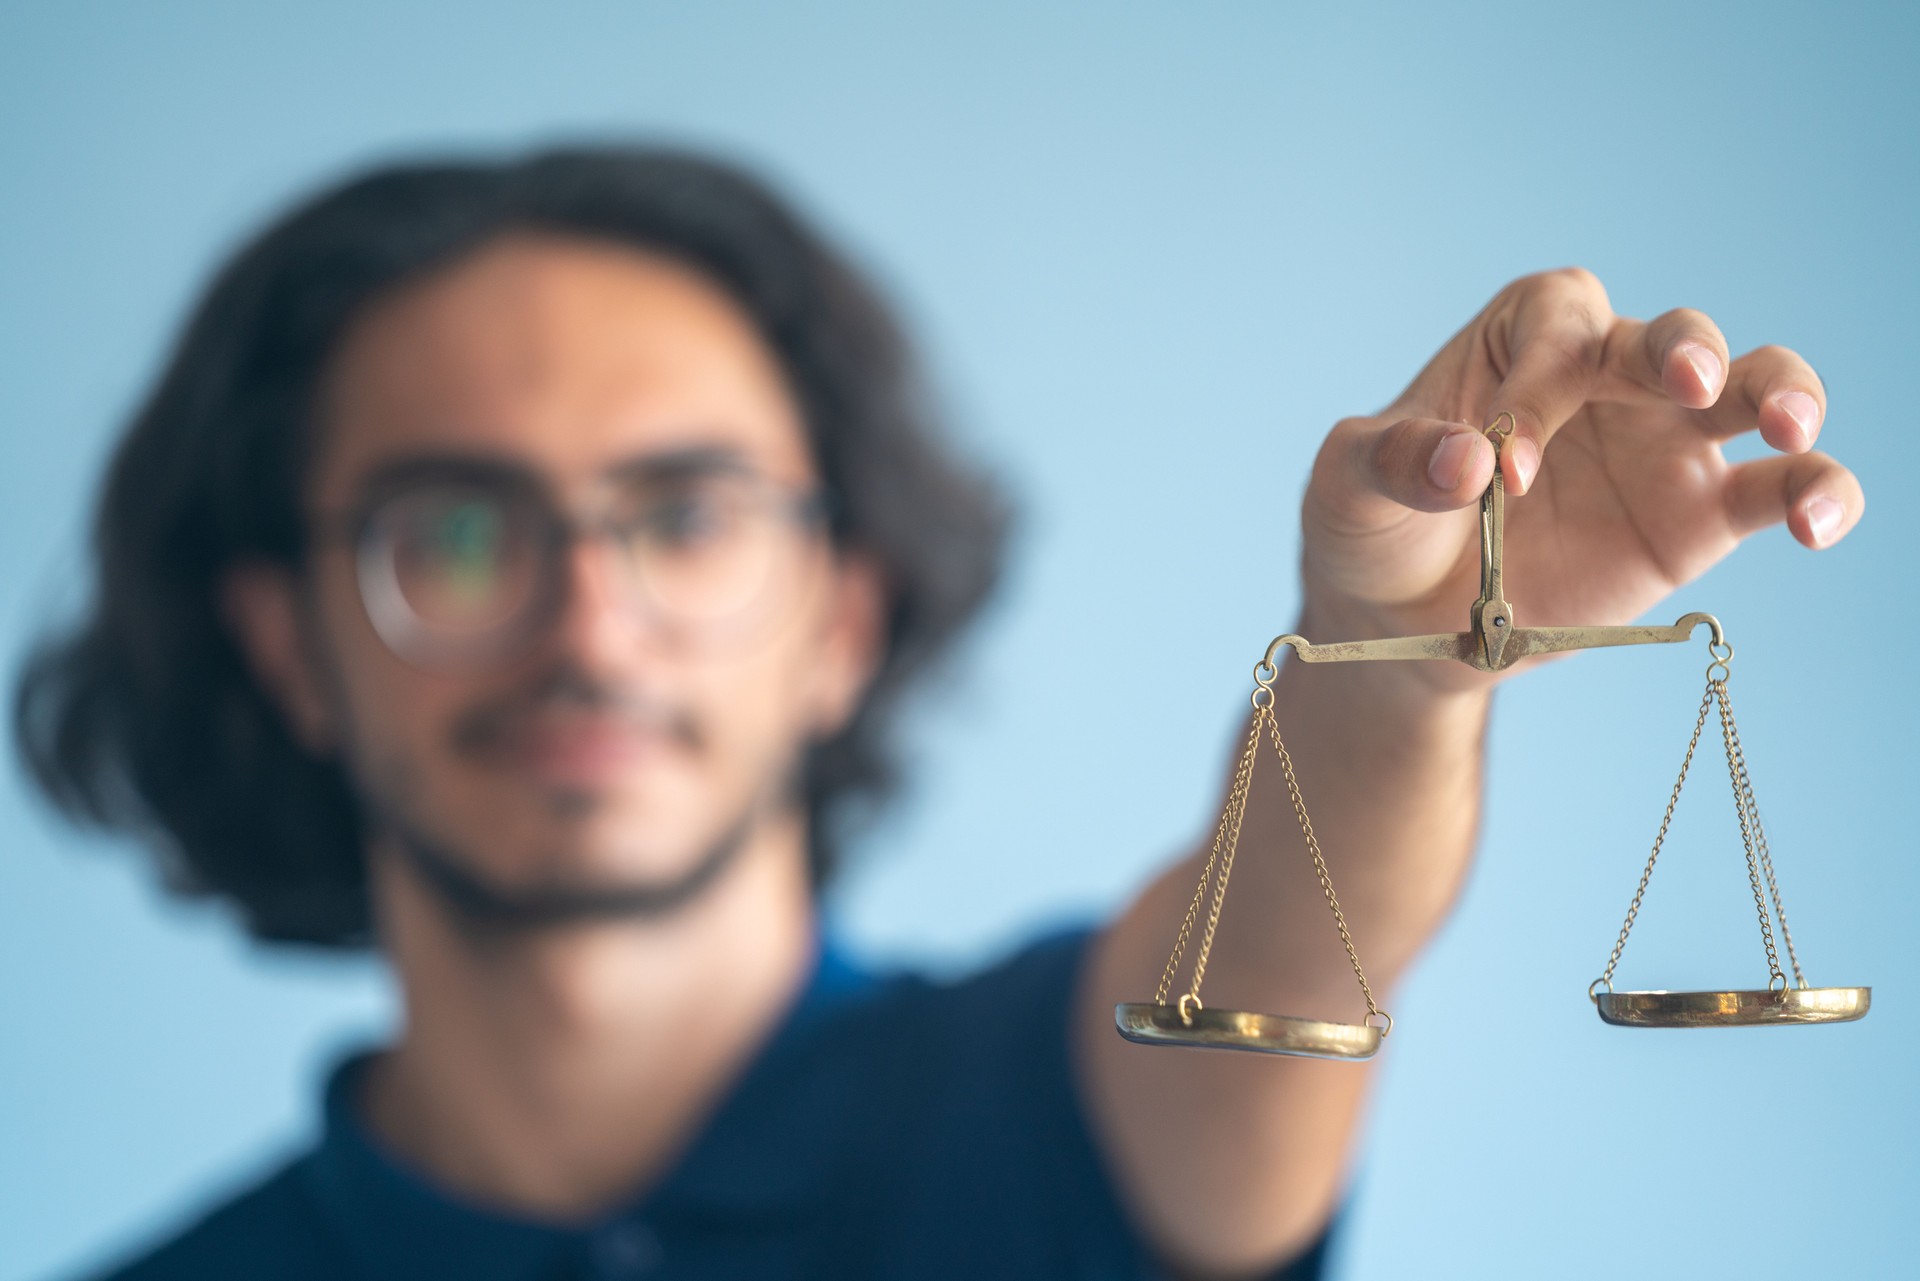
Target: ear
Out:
[261,604]
[854,642]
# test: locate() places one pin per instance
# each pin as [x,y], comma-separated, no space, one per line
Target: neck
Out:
[555,1073]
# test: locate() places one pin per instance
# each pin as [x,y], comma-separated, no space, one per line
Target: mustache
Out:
[565,688]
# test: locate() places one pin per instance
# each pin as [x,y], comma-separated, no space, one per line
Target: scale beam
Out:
[1491,643]
[1469,647]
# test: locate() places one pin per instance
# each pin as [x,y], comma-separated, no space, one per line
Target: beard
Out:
[479,902]
[475,900]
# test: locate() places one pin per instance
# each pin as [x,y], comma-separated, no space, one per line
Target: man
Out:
[517,566]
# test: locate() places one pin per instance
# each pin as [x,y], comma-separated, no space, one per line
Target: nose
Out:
[596,624]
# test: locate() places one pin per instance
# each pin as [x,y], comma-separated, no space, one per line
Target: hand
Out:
[1623,493]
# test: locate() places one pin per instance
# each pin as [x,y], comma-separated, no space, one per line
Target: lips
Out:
[588,751]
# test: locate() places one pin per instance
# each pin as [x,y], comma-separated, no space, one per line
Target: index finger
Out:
[1679,357]
[1556,333]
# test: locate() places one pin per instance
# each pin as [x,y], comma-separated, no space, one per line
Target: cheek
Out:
[394,716]
[759,705]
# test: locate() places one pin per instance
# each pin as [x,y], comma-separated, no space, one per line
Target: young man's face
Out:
[605,742]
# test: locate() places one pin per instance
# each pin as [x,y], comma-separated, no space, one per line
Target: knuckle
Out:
[1586,330]
[1683,319]
[1823,464]
[1814,472]
[1774,367]
[1580,280]
[1392,458]
[1346,436]
[1532,285]
[1345,444]
[1524,287]
[1572,282]
[1577,316]
[1387,449]
[1572,355]
[1528,422]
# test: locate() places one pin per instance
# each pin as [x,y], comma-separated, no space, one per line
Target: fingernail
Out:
[1804,410]
[1449,462]
[1526,461]
[1706,365]
[1824,516]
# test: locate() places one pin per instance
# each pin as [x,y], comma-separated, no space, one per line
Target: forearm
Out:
[1390,768]
[1232,1161]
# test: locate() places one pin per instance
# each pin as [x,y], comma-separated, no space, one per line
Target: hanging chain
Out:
[1226,865]
[1659,839]
[1219,864]
[1752,807]
[1752,835]
[1774,973]
[1229,823]
[1320,866]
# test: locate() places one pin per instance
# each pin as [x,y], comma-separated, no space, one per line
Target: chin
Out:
[595,841]
[654,838]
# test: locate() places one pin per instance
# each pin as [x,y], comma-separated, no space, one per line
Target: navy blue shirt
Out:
[891,1128]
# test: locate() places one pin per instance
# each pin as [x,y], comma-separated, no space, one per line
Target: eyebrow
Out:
[689,462]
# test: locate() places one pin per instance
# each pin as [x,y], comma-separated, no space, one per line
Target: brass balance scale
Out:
[1492,643]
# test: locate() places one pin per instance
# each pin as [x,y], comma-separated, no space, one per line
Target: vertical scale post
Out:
[1492,619]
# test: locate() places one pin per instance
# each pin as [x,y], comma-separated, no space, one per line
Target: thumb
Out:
[1423,464]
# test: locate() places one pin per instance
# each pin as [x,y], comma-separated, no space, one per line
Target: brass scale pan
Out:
[1763,1007]
[1490,644]
[1152,1024]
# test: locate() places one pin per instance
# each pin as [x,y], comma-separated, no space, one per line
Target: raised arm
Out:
[1232,1162]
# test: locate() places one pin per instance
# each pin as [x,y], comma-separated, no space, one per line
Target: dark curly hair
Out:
[145,717]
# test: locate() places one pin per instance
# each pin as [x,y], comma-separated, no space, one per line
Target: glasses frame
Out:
[559,528]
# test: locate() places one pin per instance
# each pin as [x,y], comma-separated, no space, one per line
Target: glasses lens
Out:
[713,549]
[444,567]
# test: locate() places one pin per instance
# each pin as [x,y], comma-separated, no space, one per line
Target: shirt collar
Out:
[760,1157]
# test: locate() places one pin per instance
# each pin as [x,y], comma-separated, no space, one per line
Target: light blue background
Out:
[1155,249]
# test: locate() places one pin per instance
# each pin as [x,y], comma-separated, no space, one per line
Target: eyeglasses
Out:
[459,569]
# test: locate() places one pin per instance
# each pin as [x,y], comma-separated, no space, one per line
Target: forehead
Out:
[565,356]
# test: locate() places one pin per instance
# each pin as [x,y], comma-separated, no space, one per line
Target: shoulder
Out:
[969,1113]
[1006,1022]
[268,1227]
[977,1060]
[999,1038]
[1033,980]
[993,1070]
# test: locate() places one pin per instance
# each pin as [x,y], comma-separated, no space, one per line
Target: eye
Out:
[466,540]
[468,532]
[456,534]
[454,558]
[686,519]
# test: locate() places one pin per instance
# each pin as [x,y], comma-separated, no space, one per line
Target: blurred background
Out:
[1154,250]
